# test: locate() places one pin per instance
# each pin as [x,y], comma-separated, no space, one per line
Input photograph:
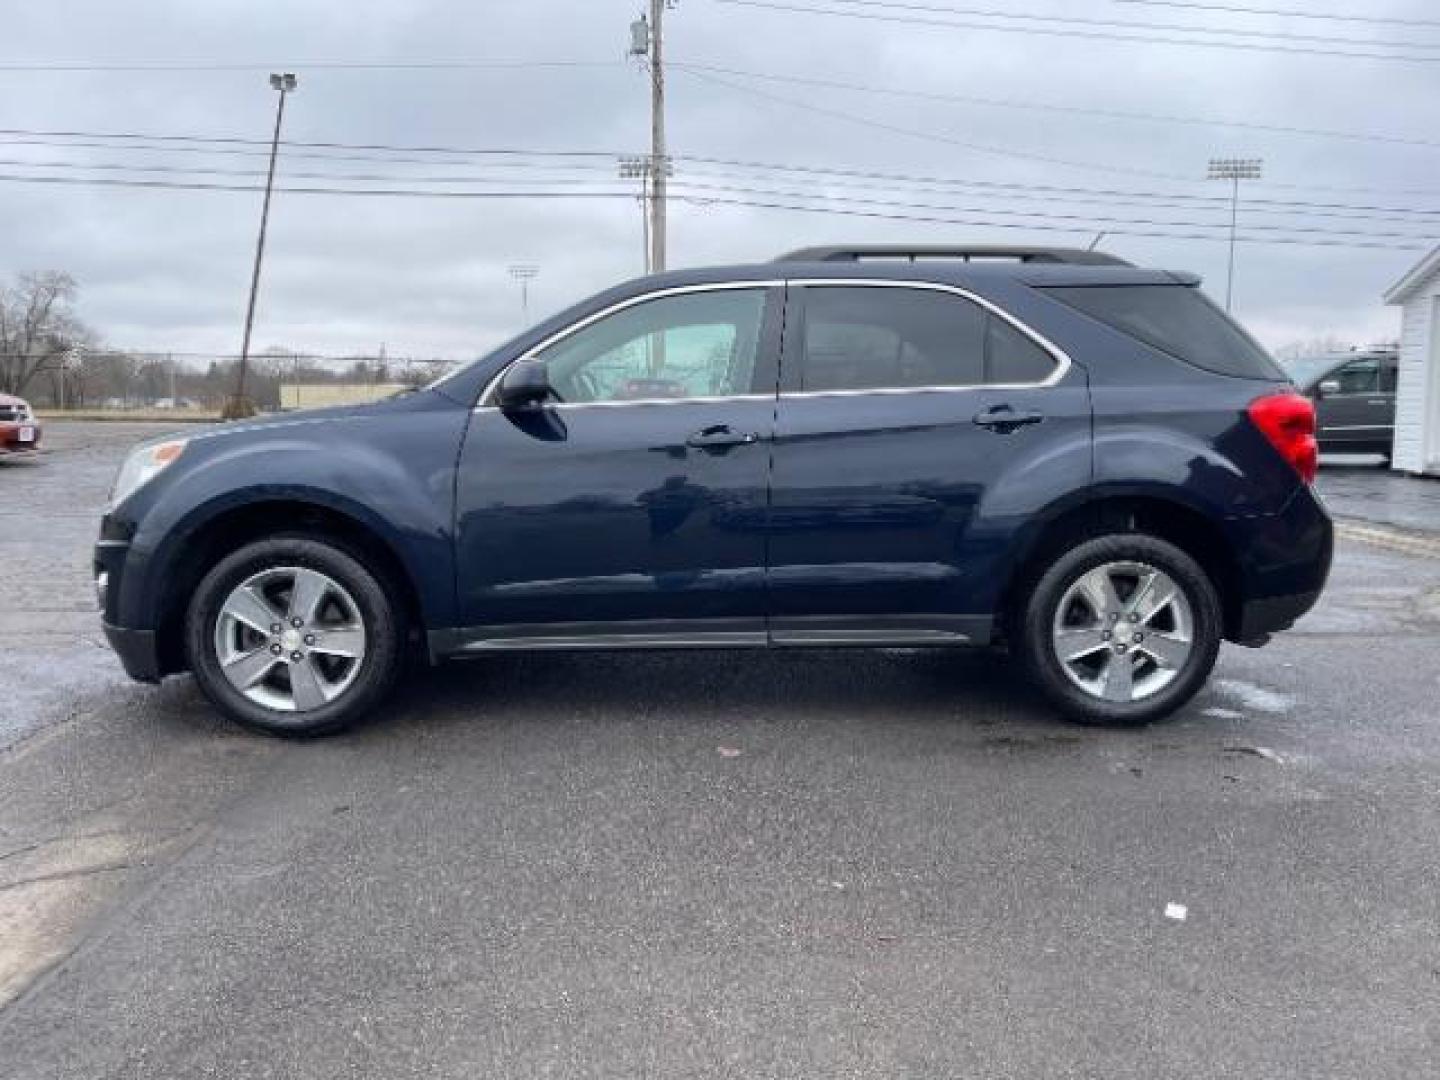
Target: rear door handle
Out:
[720,437]
[1004,419]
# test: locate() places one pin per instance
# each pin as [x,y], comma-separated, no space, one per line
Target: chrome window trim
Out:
[1063,363]
[486,400]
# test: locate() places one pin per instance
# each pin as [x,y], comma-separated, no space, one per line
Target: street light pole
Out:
[239,405]
[1234,170]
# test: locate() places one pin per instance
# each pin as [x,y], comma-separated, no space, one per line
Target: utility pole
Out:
[239,405]
[1234,170]
[657,135]
[647,40]
[523,273]
[637,167]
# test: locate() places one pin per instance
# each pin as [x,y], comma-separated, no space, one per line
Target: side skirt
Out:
[787,632]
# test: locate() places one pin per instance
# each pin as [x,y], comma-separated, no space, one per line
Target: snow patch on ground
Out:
[1223,714]
[1256,697]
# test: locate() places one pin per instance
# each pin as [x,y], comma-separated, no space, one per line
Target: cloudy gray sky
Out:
[167,269]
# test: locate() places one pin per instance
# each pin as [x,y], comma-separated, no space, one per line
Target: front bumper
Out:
[137,649]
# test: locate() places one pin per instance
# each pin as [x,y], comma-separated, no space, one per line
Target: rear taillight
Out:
[1287,419]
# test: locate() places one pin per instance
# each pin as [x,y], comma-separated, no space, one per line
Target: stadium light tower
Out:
[1234,170]
[239,405]
[524,273]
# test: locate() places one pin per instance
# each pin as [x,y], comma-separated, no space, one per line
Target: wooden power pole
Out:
[659,163]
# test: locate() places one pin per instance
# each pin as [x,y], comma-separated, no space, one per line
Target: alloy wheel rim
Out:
[290,639]
[1123,631]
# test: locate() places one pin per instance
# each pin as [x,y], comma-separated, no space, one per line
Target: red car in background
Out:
[19,430]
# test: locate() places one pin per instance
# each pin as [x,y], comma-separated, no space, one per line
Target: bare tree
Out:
[1315,346]
[37,326]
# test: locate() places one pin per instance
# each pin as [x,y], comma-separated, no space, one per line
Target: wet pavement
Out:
[707,864]
[1357,488]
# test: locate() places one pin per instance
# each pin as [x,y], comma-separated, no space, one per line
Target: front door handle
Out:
[720,437]
[1004,419]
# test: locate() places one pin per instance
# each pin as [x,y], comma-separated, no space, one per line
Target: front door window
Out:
[691,345]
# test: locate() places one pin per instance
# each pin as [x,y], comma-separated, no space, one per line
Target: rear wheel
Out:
[1122,629]
[293,635]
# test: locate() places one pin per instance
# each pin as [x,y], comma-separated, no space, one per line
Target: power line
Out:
[743,197]
[1087,220]
[1052,31]
[1117,114]
[325,65]
[603,160]
[975,222]
[227,151]
[352,177]
[929,136]
[236,140]
[1288,13]
[1189,28]
[1354,213]
[834,175]
[419,193]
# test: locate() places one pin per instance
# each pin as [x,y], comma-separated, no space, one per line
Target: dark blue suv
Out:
[1048,450]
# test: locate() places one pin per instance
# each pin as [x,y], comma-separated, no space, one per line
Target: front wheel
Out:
[294,636]
[1122,629]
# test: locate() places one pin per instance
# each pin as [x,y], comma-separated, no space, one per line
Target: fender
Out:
[391,474]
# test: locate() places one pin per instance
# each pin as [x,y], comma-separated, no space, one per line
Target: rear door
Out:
[918,428]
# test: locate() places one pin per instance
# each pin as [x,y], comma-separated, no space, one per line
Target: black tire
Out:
[380,613]
[1034,621]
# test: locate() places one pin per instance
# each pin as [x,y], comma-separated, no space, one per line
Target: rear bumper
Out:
[137,650]
[10,438]
[1285,562]
[1261,618]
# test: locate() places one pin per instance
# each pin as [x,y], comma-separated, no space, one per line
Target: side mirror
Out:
[525,385]
[1328,387]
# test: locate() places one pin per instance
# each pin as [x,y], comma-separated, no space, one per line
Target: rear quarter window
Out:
[1176,319]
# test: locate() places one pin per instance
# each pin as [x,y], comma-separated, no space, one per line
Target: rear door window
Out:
[883,338]
[1176,319]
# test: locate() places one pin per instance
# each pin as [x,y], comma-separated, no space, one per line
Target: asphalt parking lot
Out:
[705,864]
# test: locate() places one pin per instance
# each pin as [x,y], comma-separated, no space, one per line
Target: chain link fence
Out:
[140,384]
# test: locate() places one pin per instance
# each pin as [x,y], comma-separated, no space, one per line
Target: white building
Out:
[1417,396]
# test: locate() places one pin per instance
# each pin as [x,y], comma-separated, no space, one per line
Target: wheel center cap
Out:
[291,639]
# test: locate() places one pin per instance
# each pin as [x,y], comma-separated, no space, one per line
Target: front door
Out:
[632,509]
[1357,412]
[918,429]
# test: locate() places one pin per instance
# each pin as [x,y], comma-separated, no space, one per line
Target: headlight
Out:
[142,465]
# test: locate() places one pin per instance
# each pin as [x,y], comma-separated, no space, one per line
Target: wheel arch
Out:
[199,547]
[1164,514]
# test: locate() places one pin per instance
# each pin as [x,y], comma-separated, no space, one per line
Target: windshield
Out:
[1305,370]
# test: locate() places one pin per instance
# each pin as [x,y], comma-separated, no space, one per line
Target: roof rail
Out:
[967,253]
